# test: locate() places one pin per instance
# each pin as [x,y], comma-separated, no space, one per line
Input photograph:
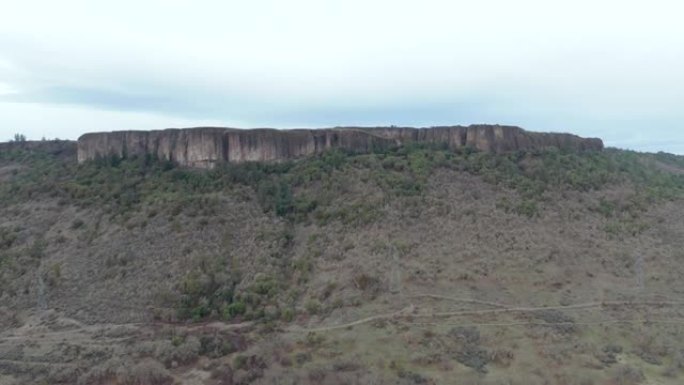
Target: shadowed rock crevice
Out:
[203,147]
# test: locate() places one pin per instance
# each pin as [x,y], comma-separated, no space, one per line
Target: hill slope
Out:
[411,265]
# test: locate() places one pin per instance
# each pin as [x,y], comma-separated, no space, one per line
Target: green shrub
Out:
[208,290]
[467,349]
[7,237]
[240,362]
[312,306]
[234,309]
[606,208]
[527,208]
[287,315]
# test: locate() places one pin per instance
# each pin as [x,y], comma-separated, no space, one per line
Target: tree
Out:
[19,138]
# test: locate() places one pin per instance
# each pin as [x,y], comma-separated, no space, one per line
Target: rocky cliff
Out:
[203,147]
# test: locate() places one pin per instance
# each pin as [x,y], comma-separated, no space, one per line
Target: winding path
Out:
[409,312]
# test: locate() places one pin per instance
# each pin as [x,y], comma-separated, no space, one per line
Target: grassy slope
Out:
[338,238]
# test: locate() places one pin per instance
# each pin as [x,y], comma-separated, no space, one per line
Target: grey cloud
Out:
[305,63]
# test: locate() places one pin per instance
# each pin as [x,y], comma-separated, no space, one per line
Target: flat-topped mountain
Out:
[203,147]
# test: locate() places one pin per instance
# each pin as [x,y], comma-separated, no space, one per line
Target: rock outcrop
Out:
[204,147]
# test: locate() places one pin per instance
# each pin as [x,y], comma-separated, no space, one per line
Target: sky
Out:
[599,68]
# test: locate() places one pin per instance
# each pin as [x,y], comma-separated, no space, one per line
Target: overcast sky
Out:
[612,69]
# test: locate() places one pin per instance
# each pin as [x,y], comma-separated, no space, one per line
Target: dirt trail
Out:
[539,323]
[39,330]
[410,312]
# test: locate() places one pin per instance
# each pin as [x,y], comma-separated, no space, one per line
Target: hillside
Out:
[416,264]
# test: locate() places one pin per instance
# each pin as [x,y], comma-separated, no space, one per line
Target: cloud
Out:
[6,89]
[595,68]
[36,120]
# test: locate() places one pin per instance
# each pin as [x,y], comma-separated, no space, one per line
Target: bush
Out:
[527,208]
[313,306]
[608,356]
[234,309]
[7,237]
[209,290]
[145,373]
[467,349]
[240,362]
[287,315]
[368,284]
[414,377]
[177,351]
[219,345]
[627,375]
[148,372]
[100,374]
[223,374]
[557,320]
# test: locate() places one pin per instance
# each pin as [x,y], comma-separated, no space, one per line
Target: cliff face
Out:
[204,147]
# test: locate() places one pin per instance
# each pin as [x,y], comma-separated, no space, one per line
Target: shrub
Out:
[219,345]
[314,339]
[7,237]
[608,355]
[240,362]
[627,375]
[467,349]
[148,372]
[209,290]
[558,320]
[37,249]
[606,208]
[527,208]
[234,309]
[54,274]
[313,306]
[145,373]
[223,374]
[414,377]
[287,315]
[178,350]
[302,358]
[368,284]
[101,373]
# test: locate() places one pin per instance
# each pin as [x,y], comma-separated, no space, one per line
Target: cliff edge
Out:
[204,147]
